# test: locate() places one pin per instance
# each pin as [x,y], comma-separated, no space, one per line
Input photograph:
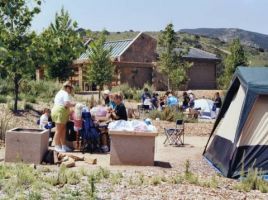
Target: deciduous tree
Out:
[16,17]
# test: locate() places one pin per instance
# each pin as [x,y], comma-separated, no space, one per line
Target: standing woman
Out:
[60,115]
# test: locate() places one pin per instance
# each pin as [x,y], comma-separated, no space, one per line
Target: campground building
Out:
[135,64]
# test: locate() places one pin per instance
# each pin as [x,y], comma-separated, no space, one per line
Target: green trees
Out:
[16,17]
[100,69]
[237,57]
[62,45]
[171,61]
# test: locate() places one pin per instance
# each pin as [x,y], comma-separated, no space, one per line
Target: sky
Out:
[154,15]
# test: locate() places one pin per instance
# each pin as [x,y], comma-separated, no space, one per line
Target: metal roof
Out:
[117,48]
[200,54]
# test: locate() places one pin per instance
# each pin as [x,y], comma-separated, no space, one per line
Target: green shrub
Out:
[253,181]
[168,114]
[30,99]
[6,87]
[28,106]
[125,90]
[132,93]
[3,99]
[155,114]
[42,89]
[5,119]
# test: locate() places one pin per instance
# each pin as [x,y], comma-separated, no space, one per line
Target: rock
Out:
[69,163]
[91,161]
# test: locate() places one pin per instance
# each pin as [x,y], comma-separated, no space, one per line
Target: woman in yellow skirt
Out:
[60,115]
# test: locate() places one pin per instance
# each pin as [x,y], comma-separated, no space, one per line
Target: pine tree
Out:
[237,57]
[171,60]
[100,69]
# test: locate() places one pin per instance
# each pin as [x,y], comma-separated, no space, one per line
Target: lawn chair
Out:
[175,136]
[143,109]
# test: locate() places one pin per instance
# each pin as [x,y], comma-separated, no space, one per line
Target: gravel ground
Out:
[130,187]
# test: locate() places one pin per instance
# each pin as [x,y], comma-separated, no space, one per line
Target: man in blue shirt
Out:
[172,100]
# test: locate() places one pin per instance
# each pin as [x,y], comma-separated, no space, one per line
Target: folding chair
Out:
[175,136]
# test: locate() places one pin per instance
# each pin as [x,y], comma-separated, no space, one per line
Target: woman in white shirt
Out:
[60,115]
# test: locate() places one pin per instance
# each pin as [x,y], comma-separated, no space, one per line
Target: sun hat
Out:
[67,84]
[189,92]
[106,92]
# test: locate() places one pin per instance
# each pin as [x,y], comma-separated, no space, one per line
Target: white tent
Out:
[205,106]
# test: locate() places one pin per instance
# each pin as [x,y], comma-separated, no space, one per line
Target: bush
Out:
[125,90]
[3,99]
[6,87]
[168,114]
[39,89]
[28,106]
[5,119]
[131,93]
[253,181]
[30,99]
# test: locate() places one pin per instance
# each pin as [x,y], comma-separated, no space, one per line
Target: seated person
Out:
[76,117]
[186,100]
[45,120]
[147,102]
[162,102]
[120,112]
[112,104]
[154,101]
[145,95]
[172,100]
[106,97]
[192,98]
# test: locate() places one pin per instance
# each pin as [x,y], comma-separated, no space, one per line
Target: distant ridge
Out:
[248,38]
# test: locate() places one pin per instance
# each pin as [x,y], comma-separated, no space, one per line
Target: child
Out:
[76,117]
[44,123]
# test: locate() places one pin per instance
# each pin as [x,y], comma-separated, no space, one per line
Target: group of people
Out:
[168,100]
[65,109]
[115,105]
[171,100]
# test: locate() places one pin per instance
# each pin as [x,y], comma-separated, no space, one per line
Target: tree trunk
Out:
[99,95]
[16,93]
[168,84]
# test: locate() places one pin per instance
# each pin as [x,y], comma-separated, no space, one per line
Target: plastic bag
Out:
[134,125]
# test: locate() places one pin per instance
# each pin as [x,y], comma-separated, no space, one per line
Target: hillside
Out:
[248,38]
[257,56]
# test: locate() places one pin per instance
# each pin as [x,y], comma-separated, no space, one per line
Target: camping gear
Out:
[239,138]
[175,136]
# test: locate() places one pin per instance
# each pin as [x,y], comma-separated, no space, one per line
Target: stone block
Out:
[26,145]
[132,148]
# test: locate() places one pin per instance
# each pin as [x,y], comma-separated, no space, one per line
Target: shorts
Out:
[60,114]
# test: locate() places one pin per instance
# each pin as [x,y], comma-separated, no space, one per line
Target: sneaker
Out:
[58,148]
[66,148]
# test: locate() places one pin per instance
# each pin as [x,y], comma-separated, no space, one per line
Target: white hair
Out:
[78,110]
